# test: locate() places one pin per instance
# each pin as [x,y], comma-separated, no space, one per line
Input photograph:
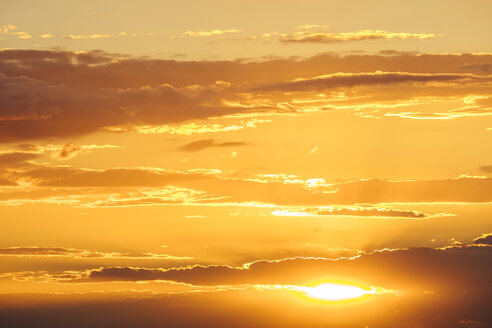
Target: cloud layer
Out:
[60,94]
[323,37]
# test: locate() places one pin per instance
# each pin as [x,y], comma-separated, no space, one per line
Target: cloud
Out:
[155,186]
[322,37]
[13,30]
[61,152]
[474,106]
[485,239]
[191,128]
[46,36]
[62,94]
[115,177]
[151,197]
[69,151]
[37,251]
[112,70]
[96,36]
[439,288]
[33,112]
[362,211]
[338,80]
[310,26]
[208,143]
[454,268]
[439,116]
[14,158]
[209,33]
[485,68]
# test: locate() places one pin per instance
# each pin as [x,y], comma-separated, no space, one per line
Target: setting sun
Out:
[335,292]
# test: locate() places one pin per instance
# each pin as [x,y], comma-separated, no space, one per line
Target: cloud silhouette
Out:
[452,268]
[485,239]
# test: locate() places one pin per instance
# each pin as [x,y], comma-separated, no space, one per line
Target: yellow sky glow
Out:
[287,154]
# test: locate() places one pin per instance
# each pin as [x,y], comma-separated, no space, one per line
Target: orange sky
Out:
[185,164]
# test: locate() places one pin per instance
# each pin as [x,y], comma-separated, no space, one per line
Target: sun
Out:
[335,292]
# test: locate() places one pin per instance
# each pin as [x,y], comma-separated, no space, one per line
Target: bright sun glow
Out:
[335,292]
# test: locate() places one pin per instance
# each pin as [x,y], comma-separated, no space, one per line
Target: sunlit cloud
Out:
[322,37]
[358,211]
[13,30]
[485,239]
[208,33]
[328,81]
[24,152]
[97,36]
[193,128]
[310,26]
[36,251]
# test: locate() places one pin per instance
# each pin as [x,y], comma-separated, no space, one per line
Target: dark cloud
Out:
[485,239]
[209,143]
[35,109]
[338,80]
[58,94]
[439,288]
[68,151]
[457,267]
[118,71]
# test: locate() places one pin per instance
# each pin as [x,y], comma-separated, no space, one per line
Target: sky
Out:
[246,163]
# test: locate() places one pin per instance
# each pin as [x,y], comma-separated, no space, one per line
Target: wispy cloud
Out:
[335,80]
[310,26]
[97,36]
[323,37]
[14,30]
[358,211]
[208,33]
[36,251]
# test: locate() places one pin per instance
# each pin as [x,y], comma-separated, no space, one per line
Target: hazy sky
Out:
[193,163]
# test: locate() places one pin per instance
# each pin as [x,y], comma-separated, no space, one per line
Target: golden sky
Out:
[245,163]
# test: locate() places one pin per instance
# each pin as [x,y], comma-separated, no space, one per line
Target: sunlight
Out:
[335,292]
